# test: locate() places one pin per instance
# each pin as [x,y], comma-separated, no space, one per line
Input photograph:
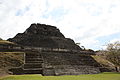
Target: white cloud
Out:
[114,40]
[82,20]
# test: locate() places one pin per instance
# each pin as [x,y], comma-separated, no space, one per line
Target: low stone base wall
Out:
[70,70]
[49,72]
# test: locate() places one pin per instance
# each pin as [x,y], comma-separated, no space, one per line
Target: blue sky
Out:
[93,23]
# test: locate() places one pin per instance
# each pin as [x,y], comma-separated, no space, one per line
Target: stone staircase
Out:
[33,63]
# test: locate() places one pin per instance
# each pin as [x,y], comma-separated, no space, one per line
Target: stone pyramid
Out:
[54,55]
[47,36]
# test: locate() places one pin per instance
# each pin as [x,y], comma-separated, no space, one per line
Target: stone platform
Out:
[57,62]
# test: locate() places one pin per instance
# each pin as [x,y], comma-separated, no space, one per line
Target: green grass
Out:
[102,76]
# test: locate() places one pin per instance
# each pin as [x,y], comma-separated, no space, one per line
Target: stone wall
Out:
[69,64]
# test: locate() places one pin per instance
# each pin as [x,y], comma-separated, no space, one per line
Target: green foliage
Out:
[103,76]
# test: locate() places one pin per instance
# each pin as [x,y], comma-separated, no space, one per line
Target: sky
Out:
[92,23]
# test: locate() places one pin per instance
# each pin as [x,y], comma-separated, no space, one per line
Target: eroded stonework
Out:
[48,52]
[41,35]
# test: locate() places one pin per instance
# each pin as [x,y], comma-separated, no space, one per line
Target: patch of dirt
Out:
[3,73]
[9,60]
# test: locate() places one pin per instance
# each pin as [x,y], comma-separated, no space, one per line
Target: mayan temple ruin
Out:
[48,52]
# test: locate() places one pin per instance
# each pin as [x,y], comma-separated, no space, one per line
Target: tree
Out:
[78,44]
[83,47]
[113,54]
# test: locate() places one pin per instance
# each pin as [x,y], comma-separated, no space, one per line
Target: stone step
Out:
[33,65]
[32,54]
[34,61]
[33,69]
[37,71]
[33,57]
[66,63]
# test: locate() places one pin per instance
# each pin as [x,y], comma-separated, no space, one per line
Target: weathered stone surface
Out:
[41,35]
[54,54]
[66,63]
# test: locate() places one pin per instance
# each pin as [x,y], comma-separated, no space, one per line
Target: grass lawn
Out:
[102,76]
